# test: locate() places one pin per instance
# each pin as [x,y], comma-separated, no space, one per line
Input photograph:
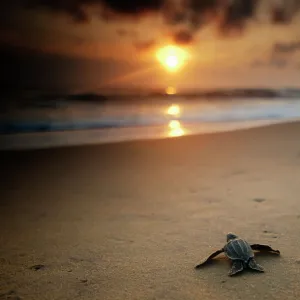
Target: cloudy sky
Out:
[113,43]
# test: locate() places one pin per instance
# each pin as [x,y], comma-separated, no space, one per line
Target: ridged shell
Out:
[238,249]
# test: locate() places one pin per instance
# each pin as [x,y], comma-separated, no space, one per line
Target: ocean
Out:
[33,122]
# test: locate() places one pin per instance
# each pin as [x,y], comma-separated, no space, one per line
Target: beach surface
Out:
[131,220]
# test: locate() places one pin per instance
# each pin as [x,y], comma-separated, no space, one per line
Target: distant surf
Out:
[79,122]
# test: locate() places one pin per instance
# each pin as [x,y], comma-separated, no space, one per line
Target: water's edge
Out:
[116,135]
[80,123]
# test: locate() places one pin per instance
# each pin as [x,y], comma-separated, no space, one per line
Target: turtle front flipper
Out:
[209,258]
[260,247]
[255,266]
[237,266]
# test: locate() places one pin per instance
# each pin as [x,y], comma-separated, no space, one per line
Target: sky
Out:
[112,43]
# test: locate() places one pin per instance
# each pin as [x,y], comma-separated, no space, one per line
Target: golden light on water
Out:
[175,128]
[171,57]
[170,90]
[174,124]
[173,110]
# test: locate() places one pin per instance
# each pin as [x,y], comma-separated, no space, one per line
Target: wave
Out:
[145,114]
[42,140]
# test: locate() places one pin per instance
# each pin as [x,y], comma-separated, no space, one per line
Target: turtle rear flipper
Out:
[255,266]
[209,258]
[237,266]
[261,247]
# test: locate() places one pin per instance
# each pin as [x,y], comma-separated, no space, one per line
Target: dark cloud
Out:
[278,16]
[230,17]
[227,15]
[183,37]
[109,8]
[196,13]
[133,7]
[283,12]
[75,9]
[199,13]
[278,63]
[236,14]
[174,17]
[286,48]
[280,55]
[145,45]
[123,32]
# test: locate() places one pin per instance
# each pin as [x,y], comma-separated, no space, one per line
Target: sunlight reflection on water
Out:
[175,128]
[173,110]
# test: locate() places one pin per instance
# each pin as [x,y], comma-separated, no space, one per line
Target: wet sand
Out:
[131,220]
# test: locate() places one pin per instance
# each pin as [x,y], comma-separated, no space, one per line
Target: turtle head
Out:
[231,236]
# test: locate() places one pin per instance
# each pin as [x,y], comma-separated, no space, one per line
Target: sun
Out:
[172,61]
[170,90]
[171,57]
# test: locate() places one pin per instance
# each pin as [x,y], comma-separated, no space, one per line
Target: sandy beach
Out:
[131,220]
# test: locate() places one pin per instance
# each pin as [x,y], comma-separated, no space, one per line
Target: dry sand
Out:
[131,220]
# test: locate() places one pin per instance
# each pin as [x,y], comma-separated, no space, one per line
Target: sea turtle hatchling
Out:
[240,253]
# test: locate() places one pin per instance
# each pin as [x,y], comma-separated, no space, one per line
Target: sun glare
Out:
[175,128]
[173,110]
[174,124]
[172,61]
[171,57]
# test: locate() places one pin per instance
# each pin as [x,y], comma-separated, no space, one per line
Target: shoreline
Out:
[94,137]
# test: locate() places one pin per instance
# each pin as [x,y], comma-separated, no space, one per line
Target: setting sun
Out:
[171,57]
[170,90]
[172,61]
